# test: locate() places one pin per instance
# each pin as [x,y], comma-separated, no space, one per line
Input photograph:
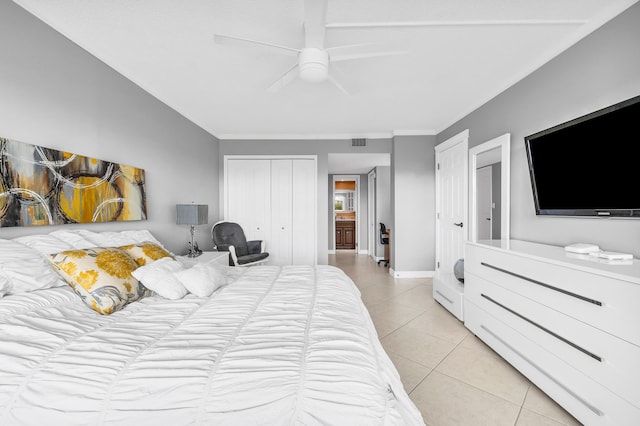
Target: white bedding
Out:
[290,345]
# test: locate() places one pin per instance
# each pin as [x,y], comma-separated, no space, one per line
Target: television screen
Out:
[589,166]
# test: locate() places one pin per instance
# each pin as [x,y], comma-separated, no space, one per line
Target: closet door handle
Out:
[459,224]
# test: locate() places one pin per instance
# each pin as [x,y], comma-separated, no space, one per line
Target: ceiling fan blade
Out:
[284,80]
[340,80]
[345,25]
[315,18]
[352,48]
[338,58]
[239,41]
[338,85]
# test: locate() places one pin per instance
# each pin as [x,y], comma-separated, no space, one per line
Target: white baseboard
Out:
[331,251]
[411,274]
[363,252]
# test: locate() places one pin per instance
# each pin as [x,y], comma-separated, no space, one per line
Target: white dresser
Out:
[570,323]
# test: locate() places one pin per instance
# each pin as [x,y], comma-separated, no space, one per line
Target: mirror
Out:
[343,201]
[489,172]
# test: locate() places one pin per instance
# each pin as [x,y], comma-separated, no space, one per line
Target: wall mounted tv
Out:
[589,166]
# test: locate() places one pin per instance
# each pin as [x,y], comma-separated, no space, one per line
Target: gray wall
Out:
[57,95]
[413,233]
[600,70]
[321,148]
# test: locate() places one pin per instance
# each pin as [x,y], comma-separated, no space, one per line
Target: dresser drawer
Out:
[612,305]
[587,400]
[608,360]
[449,292]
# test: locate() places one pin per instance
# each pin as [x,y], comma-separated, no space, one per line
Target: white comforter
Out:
[291,345]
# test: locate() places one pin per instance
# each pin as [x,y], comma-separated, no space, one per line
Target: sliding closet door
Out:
[304,212]
[275,200]
[248,193]
[279,246]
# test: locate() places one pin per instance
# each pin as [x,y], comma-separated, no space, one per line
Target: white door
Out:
[281,212]
[248,193]
[484,202]
[304,195]
[371,214]
[451,200]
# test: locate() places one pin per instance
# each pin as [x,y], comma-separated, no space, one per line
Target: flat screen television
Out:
[589,166]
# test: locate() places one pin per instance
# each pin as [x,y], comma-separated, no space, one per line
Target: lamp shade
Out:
[192,214]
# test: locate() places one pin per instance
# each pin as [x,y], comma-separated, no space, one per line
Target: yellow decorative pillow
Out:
[145,252]
[100,276]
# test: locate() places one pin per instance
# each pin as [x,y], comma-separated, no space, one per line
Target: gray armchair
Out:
[229,236]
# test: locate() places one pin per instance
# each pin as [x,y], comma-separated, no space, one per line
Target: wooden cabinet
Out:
[274,200]
[345,234]
[571,325]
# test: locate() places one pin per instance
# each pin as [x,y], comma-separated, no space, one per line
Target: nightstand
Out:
[221,257]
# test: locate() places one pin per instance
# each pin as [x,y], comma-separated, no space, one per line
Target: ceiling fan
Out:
[314,59]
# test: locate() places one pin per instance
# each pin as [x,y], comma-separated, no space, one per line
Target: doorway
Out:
[372,207]
[346,209]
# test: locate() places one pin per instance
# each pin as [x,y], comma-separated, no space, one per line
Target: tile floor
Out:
[451,376]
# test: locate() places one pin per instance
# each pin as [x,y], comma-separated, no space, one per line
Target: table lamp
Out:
[192,215]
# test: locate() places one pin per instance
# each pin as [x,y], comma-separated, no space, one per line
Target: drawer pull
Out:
[546,330]
[547,375]
[577,296]
[444,297]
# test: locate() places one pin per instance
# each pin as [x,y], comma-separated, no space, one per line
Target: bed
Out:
[273,345]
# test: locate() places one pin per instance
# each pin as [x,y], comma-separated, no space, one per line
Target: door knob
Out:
[459,224]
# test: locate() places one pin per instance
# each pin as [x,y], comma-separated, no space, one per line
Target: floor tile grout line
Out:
[522,406]
[434,336]
[482,390]
[396,329]
[408,359]
[436,366]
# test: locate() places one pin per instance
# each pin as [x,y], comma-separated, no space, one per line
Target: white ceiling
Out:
[167,48]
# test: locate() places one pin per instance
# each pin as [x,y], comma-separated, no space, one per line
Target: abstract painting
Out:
[43,186]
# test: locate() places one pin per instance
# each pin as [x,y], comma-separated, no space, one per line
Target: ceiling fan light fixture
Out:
[313,65]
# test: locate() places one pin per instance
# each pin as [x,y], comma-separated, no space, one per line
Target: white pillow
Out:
[24,269]
[45,244]
[74,238]
[159,276]
[118,238]
[202,280]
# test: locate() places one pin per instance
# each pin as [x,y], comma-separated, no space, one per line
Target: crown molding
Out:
[414,132]
[303,136]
